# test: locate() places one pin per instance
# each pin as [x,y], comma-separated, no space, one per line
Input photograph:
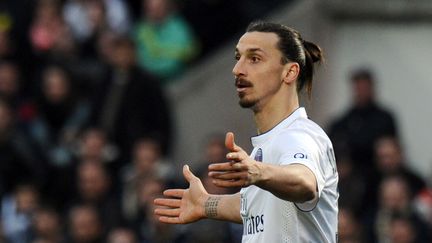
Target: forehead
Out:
[267,42]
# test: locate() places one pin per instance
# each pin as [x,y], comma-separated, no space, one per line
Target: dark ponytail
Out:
[313,54]
[294,49]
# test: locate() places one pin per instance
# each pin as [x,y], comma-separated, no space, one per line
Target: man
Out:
[292,195]
[130,104]
[357,129]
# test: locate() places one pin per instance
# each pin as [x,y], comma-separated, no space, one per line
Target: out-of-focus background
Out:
[103,101]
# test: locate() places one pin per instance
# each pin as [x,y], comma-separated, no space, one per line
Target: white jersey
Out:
[269,219]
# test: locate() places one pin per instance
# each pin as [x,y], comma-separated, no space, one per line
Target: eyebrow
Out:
[251,50]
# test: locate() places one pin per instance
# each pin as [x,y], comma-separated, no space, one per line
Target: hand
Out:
[184,205]
[241,171]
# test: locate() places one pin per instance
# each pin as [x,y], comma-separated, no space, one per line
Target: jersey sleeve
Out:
[299,147]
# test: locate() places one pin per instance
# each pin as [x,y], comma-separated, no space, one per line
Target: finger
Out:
[216,174]
[236,156]
[167,212]
[188,174]
[177,193]
[226,166]
[229,176]
[239,166]
[173,203]
[230,144]
[229,183]
[169,220]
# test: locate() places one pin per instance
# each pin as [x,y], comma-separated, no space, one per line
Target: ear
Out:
[291,72]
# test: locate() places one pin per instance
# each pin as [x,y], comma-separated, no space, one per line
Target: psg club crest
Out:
[259,155]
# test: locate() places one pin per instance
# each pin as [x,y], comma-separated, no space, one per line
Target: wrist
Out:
[202,204]
[261,175]
[211,206]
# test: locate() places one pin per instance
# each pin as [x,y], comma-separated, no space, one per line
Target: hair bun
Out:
[314,51]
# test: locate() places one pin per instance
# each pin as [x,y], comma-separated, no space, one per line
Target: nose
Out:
[239,69]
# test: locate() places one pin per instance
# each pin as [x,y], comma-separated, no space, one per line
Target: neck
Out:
[271,115]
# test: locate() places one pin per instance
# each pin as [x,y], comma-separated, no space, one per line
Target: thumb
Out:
[188,174]
[230,144]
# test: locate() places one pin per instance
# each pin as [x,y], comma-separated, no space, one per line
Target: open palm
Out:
[183,206]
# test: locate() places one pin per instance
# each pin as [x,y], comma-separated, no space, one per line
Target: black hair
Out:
[363,74]
[294,49]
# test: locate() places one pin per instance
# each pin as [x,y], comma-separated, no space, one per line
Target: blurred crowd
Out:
[381,199]
[86,127]
[85,124]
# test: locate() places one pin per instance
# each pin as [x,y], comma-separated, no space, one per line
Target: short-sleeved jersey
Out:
[267,218]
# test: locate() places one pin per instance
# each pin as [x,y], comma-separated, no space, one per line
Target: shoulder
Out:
[303,131]
[384,111]
[302,136]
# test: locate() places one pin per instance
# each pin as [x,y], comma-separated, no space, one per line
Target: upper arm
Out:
[301,151]
[311,185]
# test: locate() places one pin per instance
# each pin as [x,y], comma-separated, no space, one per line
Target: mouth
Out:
[242,84]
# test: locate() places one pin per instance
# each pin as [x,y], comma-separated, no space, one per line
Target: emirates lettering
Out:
[253,224]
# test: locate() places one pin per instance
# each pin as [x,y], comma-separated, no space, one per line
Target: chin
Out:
[247,103]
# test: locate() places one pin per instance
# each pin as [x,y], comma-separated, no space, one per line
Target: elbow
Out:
[307,191]
[307,184]
[310,193]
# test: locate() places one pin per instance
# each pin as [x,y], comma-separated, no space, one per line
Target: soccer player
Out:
[289,182]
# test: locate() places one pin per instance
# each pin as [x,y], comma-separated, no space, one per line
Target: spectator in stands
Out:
[137,197]
[85,17]
[130,104]
[215,150]
[94,187]
[165,42]
[402,230]
[352,185]
[349,227]
[60,116]
[150,229]
[395,200]
[16,92]
[94,146]
[85,225]
[122,235]
[390,160]
[18,158]
[47,226]
[92,23]
[364,122]
[10,84]
[90,19]
[46,27]
[147,162]
[17,211]
[423,205]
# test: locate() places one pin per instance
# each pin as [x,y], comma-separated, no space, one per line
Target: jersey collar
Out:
[262,138]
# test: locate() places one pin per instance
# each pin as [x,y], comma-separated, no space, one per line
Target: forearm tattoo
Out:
[211,206]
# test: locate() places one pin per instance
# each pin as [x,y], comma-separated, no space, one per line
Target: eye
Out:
[237,57]
[255,59]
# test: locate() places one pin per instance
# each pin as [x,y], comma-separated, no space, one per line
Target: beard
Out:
[247,103]
[244,102]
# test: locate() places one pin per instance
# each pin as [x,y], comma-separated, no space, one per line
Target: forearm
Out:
[294,182]
[223,207]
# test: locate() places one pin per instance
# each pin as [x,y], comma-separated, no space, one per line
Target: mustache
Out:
[240,82]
